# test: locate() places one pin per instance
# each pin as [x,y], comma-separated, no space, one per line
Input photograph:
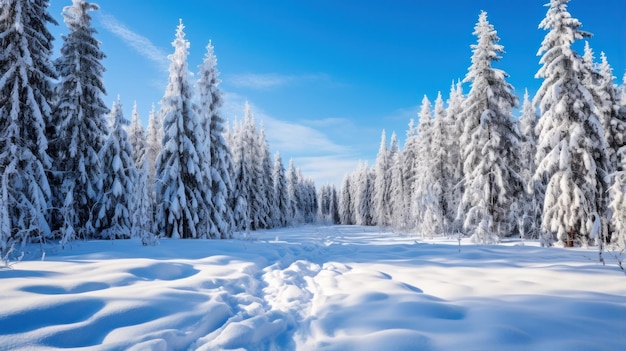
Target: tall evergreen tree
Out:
[154,140]
[346,204]
[453,162]
[220,158]
[137,138]
[362,182]
[182,188]
[143,224]
[334,205]
[397,197]
[324,199]
[266,180]
[280,193]
[571,152]
[426,203]
[489,143]
[80,122]
[115,208]
[25,91]
[609,112]
[253,147]
[295,196]
[308,205]
[618,204]
[241,185]
[531,217]
[443,183]
[410,157]
[382,185]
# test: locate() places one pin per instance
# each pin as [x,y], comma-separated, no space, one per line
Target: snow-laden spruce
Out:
[266,170]
[453,165]
[183,194]
[382,185]
[218,154]
[442,168]
[529,221]
[489,143]
[571,152]
[598,78]
[25,94]
[295,196]
[80,125]
[114,212]
[346,202]
[253,170]
[398,205]
[328,209]
[137,138]
[427,207]
[364,189]
[241,182]
[410,156]
[154,140]
[281,219]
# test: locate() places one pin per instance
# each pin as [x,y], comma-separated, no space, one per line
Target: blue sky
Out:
[326,76]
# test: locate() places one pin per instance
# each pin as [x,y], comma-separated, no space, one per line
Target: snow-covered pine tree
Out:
[267,179]
[363,179]
[183,195]
[137,138]
[334,205]
[530,221]
[119,177]
[382,185]
[221,163]
[427,207]
[257,202]
[489,143]
[79,124]
[25,93]
[443,183]
[346,203]
[280,193]
[410,155]
[154,140]
[453,162]
[571,151]
[241,184]
[608,110]
[143,226]
[295,195]
[309,198]
[399,214]
[324,199]
[618,203]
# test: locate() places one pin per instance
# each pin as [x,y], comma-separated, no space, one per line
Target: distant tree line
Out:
[474,168]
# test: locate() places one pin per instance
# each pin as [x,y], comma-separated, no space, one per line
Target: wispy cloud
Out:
[327,169]
[319,156]
[272,80]
[137,42]
[285,136]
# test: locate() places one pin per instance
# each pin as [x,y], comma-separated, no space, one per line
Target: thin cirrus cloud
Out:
[284,136]
[272,80]
[137,42]
[320,158]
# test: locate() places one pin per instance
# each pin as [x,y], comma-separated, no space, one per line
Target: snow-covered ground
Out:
[312,288]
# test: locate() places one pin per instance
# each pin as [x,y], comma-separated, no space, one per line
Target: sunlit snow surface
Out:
[312,288]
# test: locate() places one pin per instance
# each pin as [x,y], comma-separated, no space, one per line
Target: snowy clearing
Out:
[313,288]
